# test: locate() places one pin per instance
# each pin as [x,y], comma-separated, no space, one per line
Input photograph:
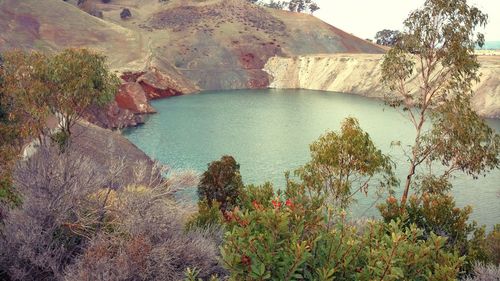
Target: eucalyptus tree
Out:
[23,110]
[387,37]
[430,73]
[346,163]
[79,79]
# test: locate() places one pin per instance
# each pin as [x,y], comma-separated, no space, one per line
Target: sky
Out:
[364,18]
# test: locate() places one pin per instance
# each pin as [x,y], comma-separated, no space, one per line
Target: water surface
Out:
[269,132]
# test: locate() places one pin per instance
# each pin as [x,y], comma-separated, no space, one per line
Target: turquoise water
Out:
[269,132]
[491,45]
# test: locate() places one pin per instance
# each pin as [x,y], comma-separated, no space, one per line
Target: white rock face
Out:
[361,74]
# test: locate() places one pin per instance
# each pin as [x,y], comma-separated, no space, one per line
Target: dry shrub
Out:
[80,222]
[149,243]
[485,273]
[47,231]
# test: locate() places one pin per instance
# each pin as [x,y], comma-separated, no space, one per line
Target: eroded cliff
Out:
[361,74]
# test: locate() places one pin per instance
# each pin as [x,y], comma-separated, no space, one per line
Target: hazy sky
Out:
[364,18]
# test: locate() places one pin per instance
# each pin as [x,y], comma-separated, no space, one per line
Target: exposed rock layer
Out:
[361,74]
[131,96]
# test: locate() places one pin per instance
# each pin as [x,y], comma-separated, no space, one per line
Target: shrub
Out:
[50,228]
[493,245]
[295,237]
[221,183]
[148,243]
[206,216]
[434,210]
[125,14]
[71,226]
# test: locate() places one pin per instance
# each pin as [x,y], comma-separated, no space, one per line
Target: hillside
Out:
[215,44]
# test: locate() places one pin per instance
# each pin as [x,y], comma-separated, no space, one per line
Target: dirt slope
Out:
[215,44]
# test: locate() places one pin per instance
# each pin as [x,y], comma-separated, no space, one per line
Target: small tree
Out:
[345,163]
[221,183]
[125,14]
[387,37]
[438,47]
[79,79]
[313,7]
[279,5]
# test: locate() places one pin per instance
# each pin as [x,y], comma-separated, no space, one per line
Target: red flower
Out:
[276,203]
[246,260]
[229,216]
[289,203]
[256,205]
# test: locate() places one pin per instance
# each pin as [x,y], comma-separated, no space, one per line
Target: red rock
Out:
[158,85]
[131,96]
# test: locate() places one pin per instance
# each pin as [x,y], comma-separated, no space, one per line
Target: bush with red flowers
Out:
[294,236]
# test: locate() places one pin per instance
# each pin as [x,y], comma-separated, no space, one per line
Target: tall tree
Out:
[430,73]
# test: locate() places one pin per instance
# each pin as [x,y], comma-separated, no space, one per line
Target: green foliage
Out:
[256,193]
[387,37]
[296,237]
[35,86]
[61,140]
[25,94]
[206,216]
[434,210]
[345,163]
[192,275]
[461,140]
[430,71]
[80,78]
[280,5]
[22,114]
[292,5]
[221,183]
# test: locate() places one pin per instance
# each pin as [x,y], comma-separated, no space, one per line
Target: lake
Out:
[269,132]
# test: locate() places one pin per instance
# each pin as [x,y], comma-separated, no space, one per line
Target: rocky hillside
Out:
[216,44]
[168,48]
[173,47]
[361,74]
